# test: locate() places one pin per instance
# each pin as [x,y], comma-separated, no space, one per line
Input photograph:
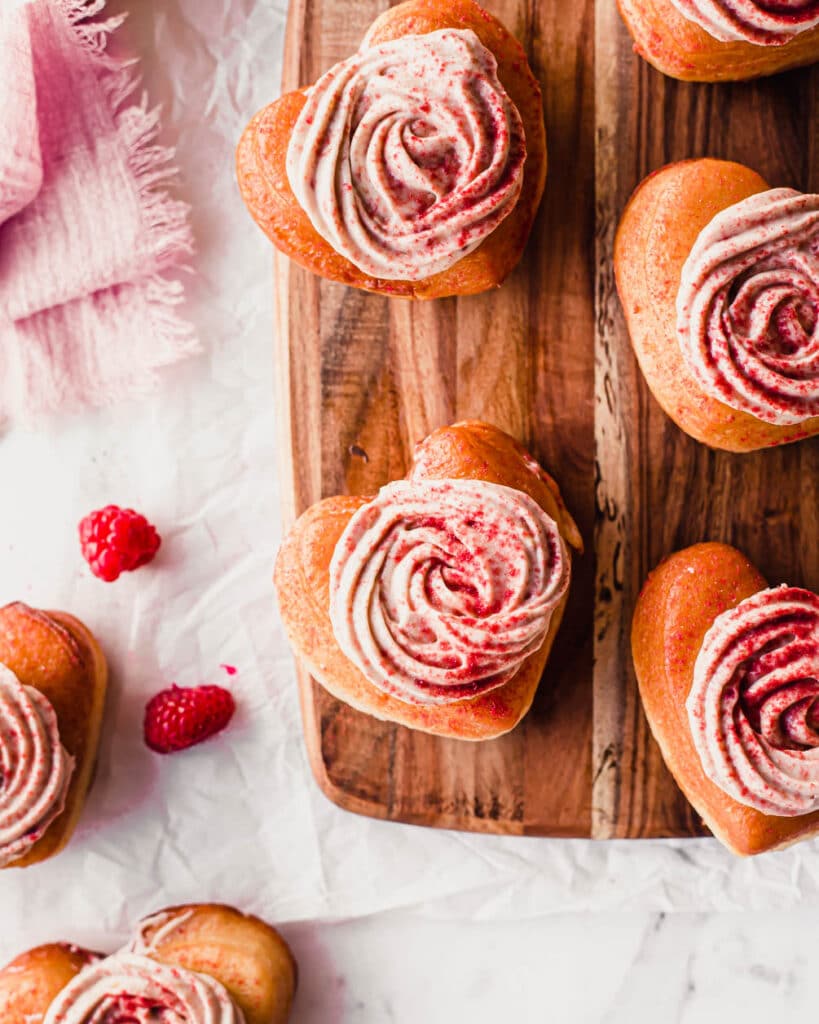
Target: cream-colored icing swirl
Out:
[129,988]
[768,23]
[161,926]
[35,769]
[408,154]
[748,306]
[754,702]
[439,589]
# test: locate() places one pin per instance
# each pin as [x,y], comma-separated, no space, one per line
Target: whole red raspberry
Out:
[115,540]
[178,718]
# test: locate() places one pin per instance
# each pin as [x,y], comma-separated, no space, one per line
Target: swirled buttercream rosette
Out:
[129,988]
[35,769]
[764,22]
[440,589]
[409,154]
[748,307]
[754,702]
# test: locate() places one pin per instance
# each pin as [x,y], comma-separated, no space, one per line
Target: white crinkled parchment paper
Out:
[239,818]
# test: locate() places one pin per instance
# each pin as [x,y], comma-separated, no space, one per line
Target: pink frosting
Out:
[35,769]
[748,306]
[130,988]
[764,22]
[408,154]
[440,589]
[754,702]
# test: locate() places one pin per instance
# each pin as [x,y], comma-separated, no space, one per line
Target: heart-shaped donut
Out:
[396,160]
[452,594]
[53,679]
[722,40]
[223,967]
[728,671]
[718,276]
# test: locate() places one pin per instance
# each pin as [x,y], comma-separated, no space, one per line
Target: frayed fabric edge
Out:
[165,218]
[152,165]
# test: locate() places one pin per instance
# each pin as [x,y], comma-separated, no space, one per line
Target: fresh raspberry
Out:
[178,718]
[115,540]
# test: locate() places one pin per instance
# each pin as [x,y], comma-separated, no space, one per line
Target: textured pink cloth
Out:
[88,239]
[21,169]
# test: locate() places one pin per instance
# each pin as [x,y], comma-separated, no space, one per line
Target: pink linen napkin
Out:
[87,285]
[21,170]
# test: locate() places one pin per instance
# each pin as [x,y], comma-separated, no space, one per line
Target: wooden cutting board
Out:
[362,378]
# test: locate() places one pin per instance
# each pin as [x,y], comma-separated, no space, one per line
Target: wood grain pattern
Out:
[547,357]
[363,377]
[658,490]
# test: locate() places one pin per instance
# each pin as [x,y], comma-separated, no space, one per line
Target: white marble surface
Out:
[401,968]
[569,969]
[390,923]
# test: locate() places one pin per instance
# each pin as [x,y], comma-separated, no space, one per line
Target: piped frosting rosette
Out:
[129,988]
[440,589]
[748,306]
[35,769]
[408,154]
[754,703]
[764,22]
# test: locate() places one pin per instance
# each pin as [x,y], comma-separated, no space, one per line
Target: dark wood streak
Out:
[364,372]
[359,372]
[657,489]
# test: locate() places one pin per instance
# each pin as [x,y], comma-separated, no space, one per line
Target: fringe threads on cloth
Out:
[88,261]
